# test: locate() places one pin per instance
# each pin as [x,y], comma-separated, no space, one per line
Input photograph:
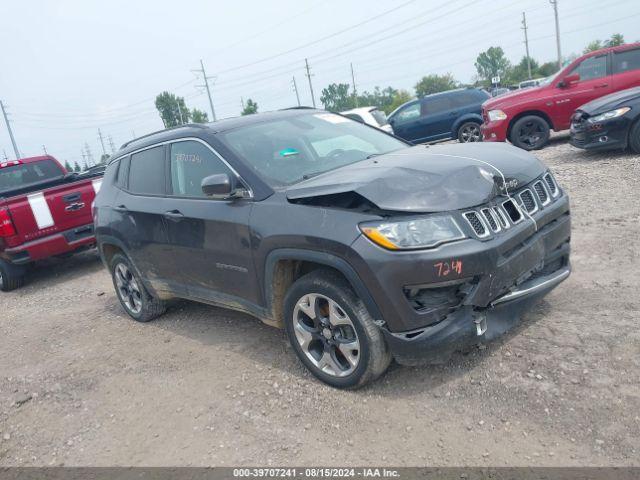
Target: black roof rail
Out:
[301,107]
[194,125]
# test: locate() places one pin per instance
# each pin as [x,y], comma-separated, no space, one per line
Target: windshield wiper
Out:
[373,155]
[307,176]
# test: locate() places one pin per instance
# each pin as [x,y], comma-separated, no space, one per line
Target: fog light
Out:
[603,139]
[493,135]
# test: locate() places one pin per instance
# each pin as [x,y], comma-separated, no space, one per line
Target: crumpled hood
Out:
[611,101]
[429,179]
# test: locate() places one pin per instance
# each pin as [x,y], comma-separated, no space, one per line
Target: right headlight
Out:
[495,115]
[609,115]
[427,232]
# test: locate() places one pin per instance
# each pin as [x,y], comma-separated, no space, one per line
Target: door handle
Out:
[121,208]
[174,215]
[602,85]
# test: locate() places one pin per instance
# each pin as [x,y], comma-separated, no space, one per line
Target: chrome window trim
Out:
[487,230]
[186,139]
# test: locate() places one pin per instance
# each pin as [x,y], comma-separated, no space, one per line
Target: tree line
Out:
[337,97]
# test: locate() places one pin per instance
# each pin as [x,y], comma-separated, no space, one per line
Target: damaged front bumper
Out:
[434,302]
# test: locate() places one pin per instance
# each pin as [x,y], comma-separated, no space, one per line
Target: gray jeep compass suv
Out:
[363,248]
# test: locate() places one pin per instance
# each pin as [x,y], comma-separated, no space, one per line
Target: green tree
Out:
[198,116]
[593,46]
[172,109]
[336,97]
[615,40]
[250,107]
[547,69]
[520,72]
[434,84]
[381,98]
[401,97]
[76,167]
[67,166]
[492,63]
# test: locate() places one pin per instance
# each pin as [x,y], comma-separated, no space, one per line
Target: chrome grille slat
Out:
[490,219]
[528,201]
[476,223]
[541,191]
[551,183]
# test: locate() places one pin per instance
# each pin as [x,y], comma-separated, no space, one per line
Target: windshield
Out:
[288,150]
[26,174]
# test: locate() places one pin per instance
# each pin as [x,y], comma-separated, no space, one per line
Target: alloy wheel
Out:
[531,133]
[128,288]
[326,335]
[470,133]
[1,280]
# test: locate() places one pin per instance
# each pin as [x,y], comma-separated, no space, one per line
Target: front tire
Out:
[469,132]
[332,332]
[9,278]
[530,133]
[134,298]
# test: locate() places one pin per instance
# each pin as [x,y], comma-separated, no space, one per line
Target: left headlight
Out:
[425,232]
[609,115]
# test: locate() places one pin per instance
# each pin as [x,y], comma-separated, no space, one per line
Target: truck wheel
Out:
[530,133]
[634,137]
[9,278]
[332,332]
[469,132]
[134,298]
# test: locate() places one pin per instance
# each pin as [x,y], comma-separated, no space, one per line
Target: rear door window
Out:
[435,105]
[591,68]
[626,61]
[147,172]
[191,162]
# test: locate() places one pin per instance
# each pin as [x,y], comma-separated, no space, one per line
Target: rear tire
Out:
[134,298]
[469,132]
[332,332]
[634,137]
[9,278]
[530,133]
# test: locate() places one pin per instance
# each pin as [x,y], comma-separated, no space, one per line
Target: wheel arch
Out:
[468,117]
[285,266]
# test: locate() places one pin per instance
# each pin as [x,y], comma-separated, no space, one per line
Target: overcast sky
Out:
[68,67]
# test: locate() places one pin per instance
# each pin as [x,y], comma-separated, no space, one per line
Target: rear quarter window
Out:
[147,172]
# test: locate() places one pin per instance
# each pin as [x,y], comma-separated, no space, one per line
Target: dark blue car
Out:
[452,114]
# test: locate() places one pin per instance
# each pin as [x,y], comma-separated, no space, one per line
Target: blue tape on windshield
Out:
[287,152]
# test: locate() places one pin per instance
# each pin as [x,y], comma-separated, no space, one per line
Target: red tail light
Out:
[6,225]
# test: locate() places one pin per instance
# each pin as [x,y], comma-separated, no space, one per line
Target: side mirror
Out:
[220,186]
[569,81]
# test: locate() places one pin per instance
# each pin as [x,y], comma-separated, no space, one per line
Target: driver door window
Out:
[409,113]
[191,162]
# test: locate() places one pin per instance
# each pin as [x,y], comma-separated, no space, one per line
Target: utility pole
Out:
[242,103]
[555,11]
[6,121]
[4,152]
[133,132]
[112,145]
[206,85]
[295,89]
[353,80]
[104,151]
[313,98]
[84,157]
[45,150]
[526,43]
[180,112]
[89,154]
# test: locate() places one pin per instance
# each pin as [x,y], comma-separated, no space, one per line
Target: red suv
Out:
[526,117]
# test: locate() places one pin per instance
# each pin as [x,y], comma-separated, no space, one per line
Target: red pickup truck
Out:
[45,211]
[526,117]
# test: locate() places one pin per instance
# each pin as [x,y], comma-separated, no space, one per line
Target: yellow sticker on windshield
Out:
[331,118]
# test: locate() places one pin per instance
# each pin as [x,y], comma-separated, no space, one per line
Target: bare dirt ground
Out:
[81,384]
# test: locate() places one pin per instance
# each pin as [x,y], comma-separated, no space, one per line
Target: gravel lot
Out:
[81,384]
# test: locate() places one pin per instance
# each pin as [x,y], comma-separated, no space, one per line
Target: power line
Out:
[6,121]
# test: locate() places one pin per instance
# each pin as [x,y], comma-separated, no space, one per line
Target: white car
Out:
[371,116]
